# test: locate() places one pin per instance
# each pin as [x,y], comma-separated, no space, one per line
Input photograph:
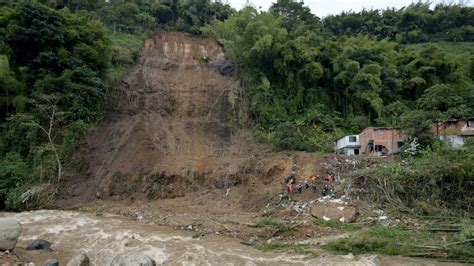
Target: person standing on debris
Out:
[289,185]
[290,180]
[325,190]
[314,180]
[330,179]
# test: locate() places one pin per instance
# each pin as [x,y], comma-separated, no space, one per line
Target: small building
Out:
[381,140]
[348,145]
[454,132]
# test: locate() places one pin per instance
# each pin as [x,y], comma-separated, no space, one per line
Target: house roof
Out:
[352,135]
[389,128]
[455,120]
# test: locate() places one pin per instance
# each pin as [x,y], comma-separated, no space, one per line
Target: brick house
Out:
[454,132]
[381,140]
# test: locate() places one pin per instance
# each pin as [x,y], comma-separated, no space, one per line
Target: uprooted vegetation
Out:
[438,180]
[400,240]
[430,193]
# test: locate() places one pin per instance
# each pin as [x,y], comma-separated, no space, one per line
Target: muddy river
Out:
[104,237]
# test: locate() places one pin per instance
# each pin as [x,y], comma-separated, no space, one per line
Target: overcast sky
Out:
[326,7]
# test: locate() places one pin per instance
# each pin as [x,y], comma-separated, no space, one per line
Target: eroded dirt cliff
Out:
[171,128]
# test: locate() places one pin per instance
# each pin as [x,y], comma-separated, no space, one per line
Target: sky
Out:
[323,8]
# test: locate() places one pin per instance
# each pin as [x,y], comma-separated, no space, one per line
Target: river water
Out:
[104,237]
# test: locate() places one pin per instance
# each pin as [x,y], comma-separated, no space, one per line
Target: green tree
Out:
[444,102]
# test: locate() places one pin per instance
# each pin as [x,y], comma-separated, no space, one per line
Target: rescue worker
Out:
[325,190]
[290,186]
[314,180]
[330,179]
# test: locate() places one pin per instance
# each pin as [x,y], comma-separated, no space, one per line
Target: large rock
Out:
[51,262]
[40,244]
[132,258]
[79,259]
[224,67]
[9,233]
[337,211]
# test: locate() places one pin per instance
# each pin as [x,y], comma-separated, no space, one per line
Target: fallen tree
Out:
[438,180]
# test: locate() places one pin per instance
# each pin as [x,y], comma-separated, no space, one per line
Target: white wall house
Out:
[348,145]
[453,141]
[455,132]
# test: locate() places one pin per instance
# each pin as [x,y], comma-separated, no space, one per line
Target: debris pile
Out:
[340,165]
[336,210]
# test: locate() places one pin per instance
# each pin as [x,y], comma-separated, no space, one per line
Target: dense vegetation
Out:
[308,85]
[57,59]
[413,24]
[138,16]
[52,68]
[309,80]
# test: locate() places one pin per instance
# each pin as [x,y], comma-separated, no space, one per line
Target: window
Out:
[352,139]
[468,123]
[400,144]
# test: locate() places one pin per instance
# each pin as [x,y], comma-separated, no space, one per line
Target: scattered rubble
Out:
[132,258]
[79,259]
[335,210]
[52,262]
[41,245]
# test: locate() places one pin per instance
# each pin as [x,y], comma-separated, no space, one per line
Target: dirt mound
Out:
[170,129]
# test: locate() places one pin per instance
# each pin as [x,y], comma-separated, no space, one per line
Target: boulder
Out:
[40,244]
[51,262]
[79,259]
[133,258]
[224,67]
[337,211]
[9,233]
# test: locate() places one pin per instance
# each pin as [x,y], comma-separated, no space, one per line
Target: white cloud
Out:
[326,7]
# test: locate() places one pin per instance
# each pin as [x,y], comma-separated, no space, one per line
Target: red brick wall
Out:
[458,127]
[381,136]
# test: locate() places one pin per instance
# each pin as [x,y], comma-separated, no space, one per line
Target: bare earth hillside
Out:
[170,130]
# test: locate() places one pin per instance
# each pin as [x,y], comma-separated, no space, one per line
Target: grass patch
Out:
[282,228]
[347,227]
[382,240]
[402,241]
[290,248]
[125,51]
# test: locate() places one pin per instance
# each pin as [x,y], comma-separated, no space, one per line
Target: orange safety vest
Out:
[330,179]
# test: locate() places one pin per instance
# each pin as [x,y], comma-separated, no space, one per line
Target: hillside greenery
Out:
[309,84]
[309,80]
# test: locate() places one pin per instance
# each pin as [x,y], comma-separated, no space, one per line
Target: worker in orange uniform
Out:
[314,181]
[330,179]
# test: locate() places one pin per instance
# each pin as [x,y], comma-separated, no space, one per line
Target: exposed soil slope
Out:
[169,130]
